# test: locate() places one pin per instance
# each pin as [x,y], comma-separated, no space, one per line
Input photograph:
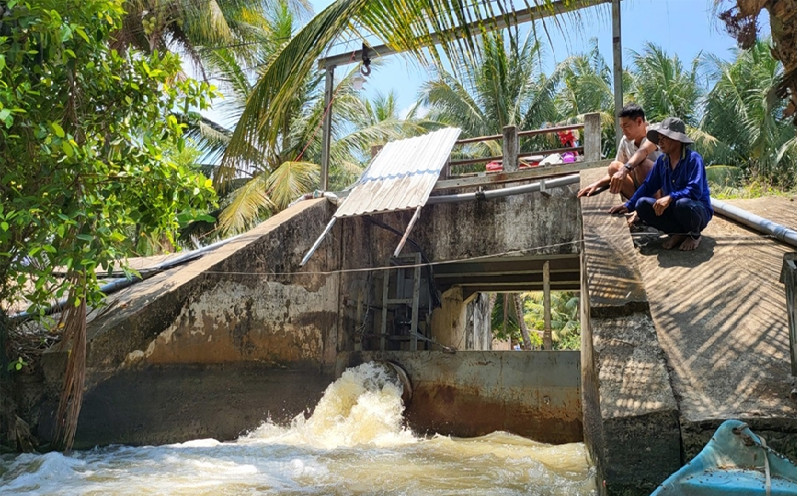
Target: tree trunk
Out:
[741,23]
[783,22]
[74,340]
[524,331]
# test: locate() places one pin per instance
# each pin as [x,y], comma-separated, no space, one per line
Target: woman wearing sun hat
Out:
[684,209]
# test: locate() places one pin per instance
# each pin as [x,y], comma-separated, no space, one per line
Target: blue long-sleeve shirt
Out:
[687,180]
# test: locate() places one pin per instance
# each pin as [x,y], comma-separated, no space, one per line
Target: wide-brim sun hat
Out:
[671,127]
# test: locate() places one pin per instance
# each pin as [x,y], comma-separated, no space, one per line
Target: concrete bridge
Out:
[672,343]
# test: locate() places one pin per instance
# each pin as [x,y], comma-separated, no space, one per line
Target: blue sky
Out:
[682,27]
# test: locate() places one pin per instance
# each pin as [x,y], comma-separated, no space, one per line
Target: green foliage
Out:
[16,365]
[664,87]
[565,325]
[270,180]
[87,147]
[507,88]
[743,111]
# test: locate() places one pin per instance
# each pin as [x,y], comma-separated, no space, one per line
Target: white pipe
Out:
[514,190]
[756,222]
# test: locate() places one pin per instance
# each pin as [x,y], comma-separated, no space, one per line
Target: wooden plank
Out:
[416,295]
[492,178]
[407,231]
[546,130]
[521,134]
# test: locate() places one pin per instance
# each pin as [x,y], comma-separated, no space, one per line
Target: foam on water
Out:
[355,442]
[363,407]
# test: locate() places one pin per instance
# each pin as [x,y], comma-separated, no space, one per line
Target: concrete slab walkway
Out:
[708,329]
[720,315]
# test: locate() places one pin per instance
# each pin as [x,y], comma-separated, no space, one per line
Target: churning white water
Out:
[354,443]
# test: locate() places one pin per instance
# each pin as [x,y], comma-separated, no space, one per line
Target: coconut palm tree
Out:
[194,26]
[289,168]
[743,111]
[507,88]
[664,87]
[741,20]
[586,86]
[405,26]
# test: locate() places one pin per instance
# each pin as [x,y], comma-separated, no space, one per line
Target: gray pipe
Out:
[752,220]
[498,193]
[124,282]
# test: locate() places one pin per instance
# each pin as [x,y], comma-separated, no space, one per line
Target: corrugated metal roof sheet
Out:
[402,176]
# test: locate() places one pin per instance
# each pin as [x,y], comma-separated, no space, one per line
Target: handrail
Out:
[533,132]
[479,160]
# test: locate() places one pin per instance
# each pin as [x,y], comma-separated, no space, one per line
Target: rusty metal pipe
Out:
[401,375]
[499,193]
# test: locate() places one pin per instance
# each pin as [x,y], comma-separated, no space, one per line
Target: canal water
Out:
[354,443]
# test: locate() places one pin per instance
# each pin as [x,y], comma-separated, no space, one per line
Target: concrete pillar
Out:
[547,341]
[592,137]
[788,276]
[511,149]
[449,321]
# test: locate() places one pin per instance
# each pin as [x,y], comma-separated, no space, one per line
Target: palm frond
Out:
[289,181]
[247,204]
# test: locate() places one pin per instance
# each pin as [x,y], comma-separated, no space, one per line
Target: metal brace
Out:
[544,191]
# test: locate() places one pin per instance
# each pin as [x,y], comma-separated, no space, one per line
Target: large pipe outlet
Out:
[401,377]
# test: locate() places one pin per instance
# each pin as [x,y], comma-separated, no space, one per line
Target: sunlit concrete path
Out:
[682,340]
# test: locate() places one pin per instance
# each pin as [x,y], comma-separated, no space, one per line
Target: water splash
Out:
[363,407]
[355,442]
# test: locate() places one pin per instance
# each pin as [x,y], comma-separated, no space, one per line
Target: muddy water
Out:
[354,443]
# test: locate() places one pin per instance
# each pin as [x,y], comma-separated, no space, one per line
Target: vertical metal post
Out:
[592,137]
[416,296]
[326,131]
[617,48]
[385,292]
[547,342]
[511,149]
[788,276]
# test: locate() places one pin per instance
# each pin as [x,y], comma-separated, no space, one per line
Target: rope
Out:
[524,251]
[766,465]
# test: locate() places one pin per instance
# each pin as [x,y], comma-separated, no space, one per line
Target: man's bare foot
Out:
[673,241]
[690,244]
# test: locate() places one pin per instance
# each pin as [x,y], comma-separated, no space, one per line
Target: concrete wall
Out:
[472,393]
[213,347]
[631,421]
[536,223]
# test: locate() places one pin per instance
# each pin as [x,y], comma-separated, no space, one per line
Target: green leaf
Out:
[59,131]
[2,62]
[82,34]
[67,148]
[4,226]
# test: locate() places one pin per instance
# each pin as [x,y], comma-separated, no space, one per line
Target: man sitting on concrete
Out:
[685,207]
[635,156]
